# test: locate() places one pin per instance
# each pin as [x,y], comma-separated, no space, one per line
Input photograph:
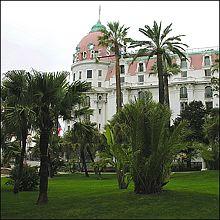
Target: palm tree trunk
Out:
[44,139]
[21,161]
[166,91]
[160,78]
[82,154]
[118,82]
[91,157]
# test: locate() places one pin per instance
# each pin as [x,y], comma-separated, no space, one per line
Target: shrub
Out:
[29,180]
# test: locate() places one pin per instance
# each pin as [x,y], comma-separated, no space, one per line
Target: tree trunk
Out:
[121,179]
[160,78]
[21,160]
[118,81]
[44,139]
[82,154]
[91,157]
[166,91]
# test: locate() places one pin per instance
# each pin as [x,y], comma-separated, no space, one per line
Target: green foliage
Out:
[153,144]
[29,180]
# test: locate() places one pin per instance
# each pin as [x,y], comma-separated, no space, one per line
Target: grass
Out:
[192,195]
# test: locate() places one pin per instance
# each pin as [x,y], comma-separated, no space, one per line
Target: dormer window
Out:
[140,67]
[207,61]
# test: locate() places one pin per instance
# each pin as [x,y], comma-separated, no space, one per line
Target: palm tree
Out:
[169,70]
[115,37]
[153,144]
[49,90]
[83,134]
[162,46]
[17,111]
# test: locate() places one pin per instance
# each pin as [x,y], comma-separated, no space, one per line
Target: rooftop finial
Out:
[99,12]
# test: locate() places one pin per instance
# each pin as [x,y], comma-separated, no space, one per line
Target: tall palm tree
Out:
[159,45]
[49,90]
[169,70]
[115,37]
[17,111]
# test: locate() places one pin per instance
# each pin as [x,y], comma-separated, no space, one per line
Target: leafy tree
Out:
[195,114]
[49,90]
[115,37]
[153,144]
[211,131]
[162,46]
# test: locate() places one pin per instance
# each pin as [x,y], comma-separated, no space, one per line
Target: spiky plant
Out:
[154,145]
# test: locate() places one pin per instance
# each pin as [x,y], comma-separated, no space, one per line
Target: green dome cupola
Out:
[97,27]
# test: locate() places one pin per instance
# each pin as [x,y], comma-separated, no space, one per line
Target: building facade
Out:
[96,65]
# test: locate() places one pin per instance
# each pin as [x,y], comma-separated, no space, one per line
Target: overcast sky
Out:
[44,35]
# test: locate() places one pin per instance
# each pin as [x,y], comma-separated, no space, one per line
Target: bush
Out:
[69,166]
[29,180]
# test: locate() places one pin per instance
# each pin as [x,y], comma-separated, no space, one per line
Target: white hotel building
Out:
[192,83]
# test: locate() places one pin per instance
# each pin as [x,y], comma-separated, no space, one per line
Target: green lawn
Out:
[188,195]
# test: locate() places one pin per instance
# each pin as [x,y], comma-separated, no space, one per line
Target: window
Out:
[100,111]
[80,74]
[100,97]
[122,69]
[122,79]
[208,92]
[99,84]
[183,64]
[74,76]
[141,67]
[183,92]
[86,102]
[140,95]
[207,72]
[141,78]
[99,72]
[183,106]
[89,74]
[99,126]
[207,61]
[209,105]
[183,73]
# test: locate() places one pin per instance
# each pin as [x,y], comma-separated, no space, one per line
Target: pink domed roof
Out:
[90,44]
[91,38]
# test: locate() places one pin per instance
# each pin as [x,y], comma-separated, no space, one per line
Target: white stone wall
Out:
[195,83]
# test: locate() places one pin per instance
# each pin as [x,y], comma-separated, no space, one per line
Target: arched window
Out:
[183,92]
[208,92]
[140,95]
